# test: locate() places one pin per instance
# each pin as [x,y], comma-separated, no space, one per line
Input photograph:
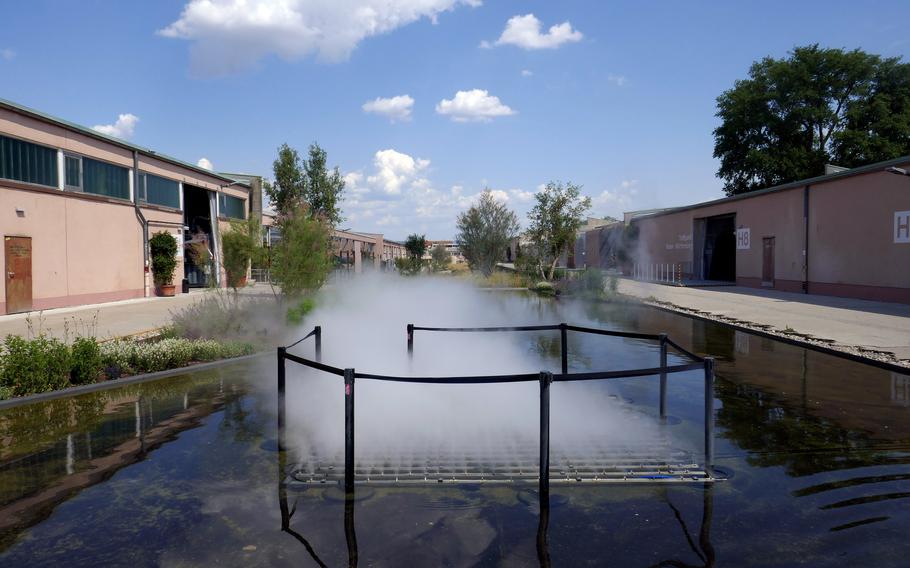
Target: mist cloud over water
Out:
[364,327]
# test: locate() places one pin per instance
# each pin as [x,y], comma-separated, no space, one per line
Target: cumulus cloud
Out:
[526,73]
[618,199]
[395,108]
[394,170]
[618,80]
[205,164]
[7,54]
[231,35]
[524,32]
[400,194]
[122,128]
[476,105]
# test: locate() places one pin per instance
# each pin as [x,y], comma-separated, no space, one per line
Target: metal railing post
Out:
[546,378]
[318,334]
[410,340]
[563,338]
[663,376]
[281,399]
[349,431]
[709,416]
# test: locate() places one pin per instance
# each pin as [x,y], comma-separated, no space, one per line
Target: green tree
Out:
[817,106]
[302,258]
[322,189]
[416,245]
[163,250]
[286,190]
[484,232]
[441,258]
[555,220]
[241,245]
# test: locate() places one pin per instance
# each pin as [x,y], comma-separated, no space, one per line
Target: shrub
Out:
[239,246]
[34,365]
[217,316]
[127,357]
[297,312]
[163,247]
[86,361]
[408,266]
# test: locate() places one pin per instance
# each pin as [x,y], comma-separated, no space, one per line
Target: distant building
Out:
[450,246]
[846,233]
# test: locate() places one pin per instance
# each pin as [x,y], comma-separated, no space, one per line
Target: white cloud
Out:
[123,128]
[205,164]
[614,202]
[618,80]
[395,108]
[476,105]
[395,170]
[524,32]
[231,35]
[526,73]
[7,54]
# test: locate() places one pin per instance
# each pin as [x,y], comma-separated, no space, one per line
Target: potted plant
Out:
[163,248]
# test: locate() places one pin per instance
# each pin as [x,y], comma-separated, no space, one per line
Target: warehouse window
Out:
[102,178]
[232,207]
[159,191]
[73,172]
[24,161]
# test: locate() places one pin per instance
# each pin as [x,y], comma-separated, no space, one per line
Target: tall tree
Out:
[302,257]
[286,191]
[555,220]
[484,232]
[322,189]
[817,106]
[416,245]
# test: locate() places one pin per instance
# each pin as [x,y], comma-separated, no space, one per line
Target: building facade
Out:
[843,234]
[77,208]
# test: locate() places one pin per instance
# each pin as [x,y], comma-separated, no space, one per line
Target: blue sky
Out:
[619,97]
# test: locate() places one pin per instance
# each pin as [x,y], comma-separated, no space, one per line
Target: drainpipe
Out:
[143,223]
[806,242]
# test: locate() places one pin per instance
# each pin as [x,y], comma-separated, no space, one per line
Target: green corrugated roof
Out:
[21,109]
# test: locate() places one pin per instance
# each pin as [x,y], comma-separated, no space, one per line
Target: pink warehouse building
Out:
[76,208]
[842,234]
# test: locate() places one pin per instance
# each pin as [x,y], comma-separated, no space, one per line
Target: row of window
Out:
[33,163]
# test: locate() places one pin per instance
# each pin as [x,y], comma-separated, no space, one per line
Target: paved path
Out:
[878,326]
[114,319]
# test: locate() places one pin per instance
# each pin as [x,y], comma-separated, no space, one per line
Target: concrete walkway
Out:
[114,319]
[860,324]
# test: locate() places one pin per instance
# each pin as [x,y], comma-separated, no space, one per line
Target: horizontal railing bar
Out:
[626,374]
[454,380]
[307,336]
[685,352]
[315,365]
[482,329]
[613,333]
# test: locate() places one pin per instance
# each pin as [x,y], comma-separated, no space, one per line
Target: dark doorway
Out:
[18,274]
[767,267]
[720,248]
[198,259]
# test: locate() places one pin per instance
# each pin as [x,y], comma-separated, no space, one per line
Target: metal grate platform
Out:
[588,463]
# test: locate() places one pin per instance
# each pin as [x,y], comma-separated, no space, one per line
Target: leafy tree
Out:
[441,258]
[240,245]
[302,258]
[484,232]
[554,221]
[817,106]
[286,191]
[163,248]
[322,190]
[416,245]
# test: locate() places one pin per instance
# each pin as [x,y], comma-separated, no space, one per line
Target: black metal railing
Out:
[544,378]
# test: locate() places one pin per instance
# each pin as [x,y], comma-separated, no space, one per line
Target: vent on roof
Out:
[832,169]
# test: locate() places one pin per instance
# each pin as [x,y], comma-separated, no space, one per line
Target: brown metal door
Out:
[767,271]
[18,274]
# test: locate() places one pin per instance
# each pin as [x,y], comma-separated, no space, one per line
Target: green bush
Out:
[163,248]
[86,361]
[34,365]
[297,312]
[128,357]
